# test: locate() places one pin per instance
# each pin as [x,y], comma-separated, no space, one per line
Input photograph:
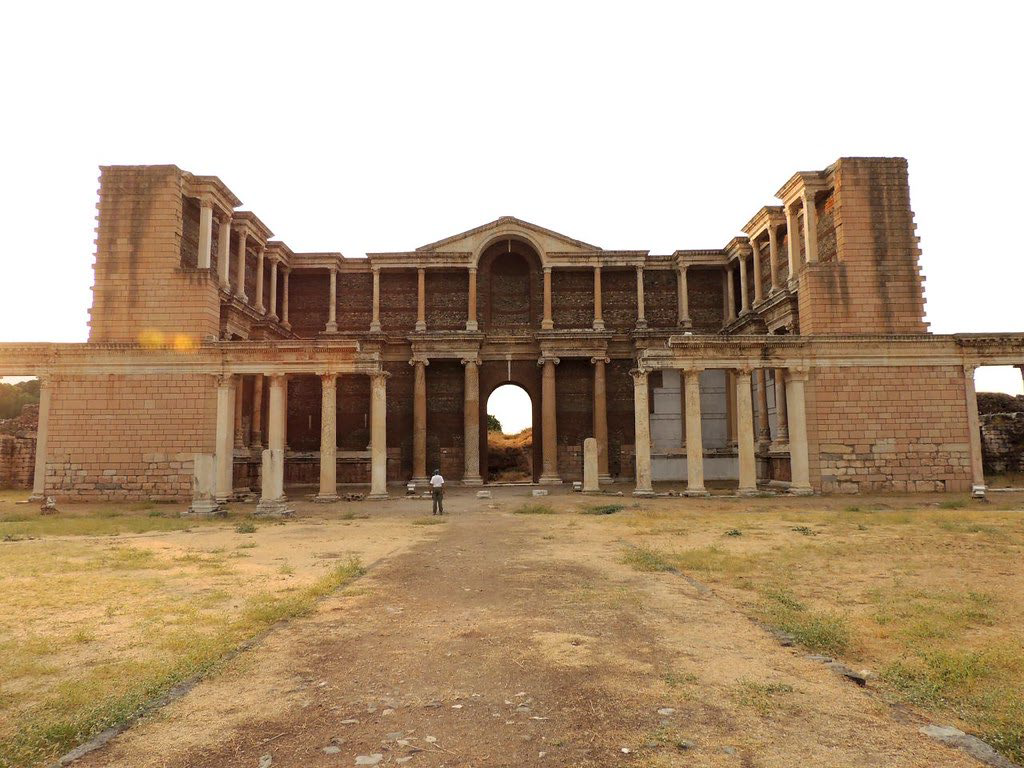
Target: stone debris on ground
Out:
[972,745]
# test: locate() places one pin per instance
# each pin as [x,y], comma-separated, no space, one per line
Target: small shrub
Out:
[804,530]
[603,509]
[646,560]
[533,509]
[428,521]
[952,504]
[734,532]
[246,526]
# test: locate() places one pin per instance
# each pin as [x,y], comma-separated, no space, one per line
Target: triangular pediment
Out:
[473,239]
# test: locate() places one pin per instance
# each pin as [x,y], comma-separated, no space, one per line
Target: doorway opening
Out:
[509,435]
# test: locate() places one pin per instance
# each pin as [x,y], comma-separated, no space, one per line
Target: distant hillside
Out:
[510,457]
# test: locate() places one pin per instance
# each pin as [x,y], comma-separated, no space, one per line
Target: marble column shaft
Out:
[745,433]
[694,436]
[328,437]
[642,434]
[549,427]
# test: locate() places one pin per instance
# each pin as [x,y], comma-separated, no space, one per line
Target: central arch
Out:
[512,284]
[509,455]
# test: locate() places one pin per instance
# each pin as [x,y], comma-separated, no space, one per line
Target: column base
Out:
[644,493]
[421,325]
[747,492]
[378,497]
[550,480]
[331,328]
[260,309]
[204,508]
[222,499]
[801,491]
[241,297]
[599,325]
[472,325]
[547,325]
[696,493]
[272,317]
[286,325]
[274,508]
[472,481]
[422,480]
[686,323]
[374,327]
[642,325]
[978,491]
[37,497]
[329,498]
[605,480]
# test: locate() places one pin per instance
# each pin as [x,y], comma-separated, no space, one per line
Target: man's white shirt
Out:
[437,481]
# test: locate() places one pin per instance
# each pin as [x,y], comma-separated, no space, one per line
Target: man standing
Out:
[437,492]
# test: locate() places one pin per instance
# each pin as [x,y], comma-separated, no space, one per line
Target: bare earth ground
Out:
[501,639]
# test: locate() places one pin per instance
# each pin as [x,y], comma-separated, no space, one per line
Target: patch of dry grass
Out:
[94,627]
[926,592]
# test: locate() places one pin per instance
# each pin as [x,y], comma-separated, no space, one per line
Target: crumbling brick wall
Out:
[864,434]
[574,414]
[446,305]
[572,298]
[18,449]
[128,437]
[1002,442]
[621,424]
[309,302]
[618,298]
[704,293]
[398,291]
[661,298]
[445,421]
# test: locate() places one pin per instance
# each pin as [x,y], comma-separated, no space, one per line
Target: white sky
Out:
[512,406]
[383,126]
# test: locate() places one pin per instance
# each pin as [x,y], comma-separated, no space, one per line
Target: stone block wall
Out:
[864,434]
[17,461]
[868,280]
[128,437]
[144,286]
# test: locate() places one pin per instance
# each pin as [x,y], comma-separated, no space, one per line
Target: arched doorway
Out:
[510,455]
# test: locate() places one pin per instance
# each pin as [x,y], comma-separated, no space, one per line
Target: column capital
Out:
[381,376]
[547,268]
[692,368]
[639,374]
[595,360]
[419,360]
[224,380]
[328,378]
[276,377]
[548,359]
[470,361]
[797,374]
[472,269]
[745,370]
[970,368]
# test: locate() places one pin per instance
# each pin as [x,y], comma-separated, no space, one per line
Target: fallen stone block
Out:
[972,745]
[540,491]
[483,494]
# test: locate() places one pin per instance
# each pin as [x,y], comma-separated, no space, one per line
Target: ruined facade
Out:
[795,357]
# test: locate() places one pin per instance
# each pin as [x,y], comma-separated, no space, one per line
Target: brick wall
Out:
[661,297]
[704,292]
[145,283]
[873,282]
[618,298]
[864,434]
[128,437]
[621,426]
[309,302]
[1002,442]
[355,301]
[572,298]
[398,298]
[574,414]
[447,301]
[17,461]
[445,423]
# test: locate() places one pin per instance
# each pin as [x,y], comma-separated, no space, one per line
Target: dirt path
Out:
[508,640]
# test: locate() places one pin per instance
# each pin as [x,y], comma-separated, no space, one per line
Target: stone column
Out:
[471,323]
[547,323]
[683,299]
[42,435]
[598,312]
[730,408]
[764,431]
[256,439]
[419,422]
[203,260]
[745,422]
[974,427]
[260,254]
[549,427]
[273,290]
[730,296]
[224,247]
[798,460]
[773,256]
[642,434]
[694,436]
[810,227]
[272,498]
[758,292]
[277,411]
[225,443]
[378,436]
[601,417]
[744,290]
[641,317]
[375,318]
[284,309]
[243,236]
[793,237]
[421,299]
[471,423]
[239,399]
[1021,368]
[332,309]
[328,438]
[781,415]
[224,259]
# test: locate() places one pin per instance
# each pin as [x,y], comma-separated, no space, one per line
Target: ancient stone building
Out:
[796,356]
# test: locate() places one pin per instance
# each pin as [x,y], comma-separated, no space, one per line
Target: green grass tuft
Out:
[533,509]
[603,509]
[647,560]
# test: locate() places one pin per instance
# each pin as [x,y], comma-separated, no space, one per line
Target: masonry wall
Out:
[128,437]
[864,434]
[145,285]
[574,414]
[17,461]
[868,279]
